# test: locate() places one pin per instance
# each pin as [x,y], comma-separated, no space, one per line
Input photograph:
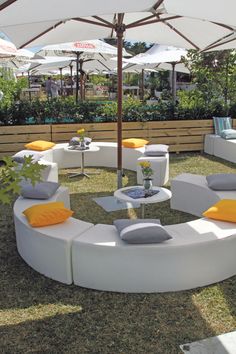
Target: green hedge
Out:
[67,111]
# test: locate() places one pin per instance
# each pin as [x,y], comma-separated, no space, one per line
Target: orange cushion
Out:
[39,145]
[224,210]
[47,214]
[134,143]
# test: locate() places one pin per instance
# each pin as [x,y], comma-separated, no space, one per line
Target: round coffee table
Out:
[70,149]
[162,195]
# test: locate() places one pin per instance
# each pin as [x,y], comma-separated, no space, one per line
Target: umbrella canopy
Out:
[7,49]
[158,55]
[44,22]
[85,52]
[88,49]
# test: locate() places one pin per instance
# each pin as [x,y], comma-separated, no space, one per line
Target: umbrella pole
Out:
[120,28]
[142,86]
[61,81]
[173,83]
[77,78]
[29,85]
[81,80]
[71,78]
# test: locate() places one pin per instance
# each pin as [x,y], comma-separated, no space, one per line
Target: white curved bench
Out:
[95,256]
[191,194]
[101,260]
[107,157]
[47,249]
[217,146]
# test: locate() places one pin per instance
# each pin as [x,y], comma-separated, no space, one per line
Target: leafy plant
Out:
[11,176]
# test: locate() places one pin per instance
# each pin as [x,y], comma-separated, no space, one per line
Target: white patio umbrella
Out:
[85,52]
[156,56]
[156,21]
[7,49]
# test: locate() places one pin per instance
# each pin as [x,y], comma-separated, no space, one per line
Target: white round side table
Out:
[162,195]
[70,149]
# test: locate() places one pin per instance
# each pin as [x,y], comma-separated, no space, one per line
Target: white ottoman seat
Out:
[160,167]
[47,249]
[101,260]
[191,194]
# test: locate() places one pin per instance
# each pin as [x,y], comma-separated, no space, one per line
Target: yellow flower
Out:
[81,131]
[146,168]
[144,164]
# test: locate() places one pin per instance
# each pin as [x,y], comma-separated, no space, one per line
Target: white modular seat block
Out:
[217,146]
[47,249]
[191,194]
[50,172]
[160,167]
[101,260]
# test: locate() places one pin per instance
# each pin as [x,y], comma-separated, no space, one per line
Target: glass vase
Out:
[82,145]
[147,185]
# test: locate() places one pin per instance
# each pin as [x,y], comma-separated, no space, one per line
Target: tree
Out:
[133,48]
[11,176]
[214,74]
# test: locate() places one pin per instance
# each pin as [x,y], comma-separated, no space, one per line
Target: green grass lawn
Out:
[39,315]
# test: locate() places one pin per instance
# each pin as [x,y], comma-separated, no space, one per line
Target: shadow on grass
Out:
[71,319]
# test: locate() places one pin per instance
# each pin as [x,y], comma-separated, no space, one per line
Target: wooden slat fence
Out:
[185,135]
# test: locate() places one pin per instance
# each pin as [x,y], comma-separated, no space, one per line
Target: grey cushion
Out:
[228,134]
[20,156]
[74,141]
[156,150]
[121,224]
[87,140]
[144,233]
[222,181]
[42,190]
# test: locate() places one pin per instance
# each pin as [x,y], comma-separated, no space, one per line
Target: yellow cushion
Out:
[224,210]
[47,214]
[39,145]
[134,143]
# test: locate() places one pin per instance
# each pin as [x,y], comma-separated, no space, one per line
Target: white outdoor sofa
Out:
[107,157]
[94,256]
[191,194]
[217,146]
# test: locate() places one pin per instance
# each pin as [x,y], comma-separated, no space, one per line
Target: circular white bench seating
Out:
[191,194]
[95,256]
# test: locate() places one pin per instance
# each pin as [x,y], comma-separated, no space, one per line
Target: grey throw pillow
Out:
[120,224]
[228,134]
[222,181]
[156,150]
[20,156]
[74,141]
[143,233]
[42,190]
